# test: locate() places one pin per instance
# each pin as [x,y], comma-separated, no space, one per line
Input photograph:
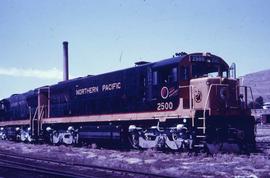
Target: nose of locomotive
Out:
[215,94]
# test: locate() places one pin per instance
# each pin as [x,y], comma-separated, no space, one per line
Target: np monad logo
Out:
[164,92]
[197,95]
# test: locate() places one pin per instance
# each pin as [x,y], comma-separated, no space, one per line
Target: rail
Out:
[37,169]
[96,171]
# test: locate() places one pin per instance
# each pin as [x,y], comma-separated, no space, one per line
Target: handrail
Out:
[41,110]
[252,97]
[41,117]
[33,120]
[38,116]
[191,99]
[30,115]
[35,113]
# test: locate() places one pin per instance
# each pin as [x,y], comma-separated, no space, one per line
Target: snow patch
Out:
[91,155]
[27,150]
[102,157]
[250,176]
[117,156]
[149,161]
[133,160]
[184,167]
[71,154]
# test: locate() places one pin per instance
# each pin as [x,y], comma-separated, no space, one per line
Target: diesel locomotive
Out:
[188,101]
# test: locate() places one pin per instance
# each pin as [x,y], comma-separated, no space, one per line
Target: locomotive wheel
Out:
[23,136]
[3,136]
[134,140]
[214,148]
[68,139]
[55,138]
[29,139]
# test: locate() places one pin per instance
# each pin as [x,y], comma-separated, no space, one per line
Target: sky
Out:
[109,35]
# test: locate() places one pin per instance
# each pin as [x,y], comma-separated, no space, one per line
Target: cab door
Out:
[184,87]
[165,91]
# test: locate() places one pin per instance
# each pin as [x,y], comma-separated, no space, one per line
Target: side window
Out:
[165,75]
[173,76]
[155,78]
[2,106]
[224,74]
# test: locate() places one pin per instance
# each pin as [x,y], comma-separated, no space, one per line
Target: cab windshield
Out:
[208,70]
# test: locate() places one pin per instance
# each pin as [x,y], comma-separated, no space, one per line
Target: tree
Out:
[259,101]
[257,104]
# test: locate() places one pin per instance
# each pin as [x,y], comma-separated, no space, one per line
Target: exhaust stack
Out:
[65,61]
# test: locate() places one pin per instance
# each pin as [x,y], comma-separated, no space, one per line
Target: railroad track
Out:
[57,168]
[33,170]
[14,162]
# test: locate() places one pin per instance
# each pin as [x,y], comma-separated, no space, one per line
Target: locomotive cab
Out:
[213,90]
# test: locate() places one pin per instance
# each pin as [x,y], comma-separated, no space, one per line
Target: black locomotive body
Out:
[124,91]
[186,101]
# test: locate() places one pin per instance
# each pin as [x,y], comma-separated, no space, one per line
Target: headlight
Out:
[48,129]
[131,128]
[70,128]
[179,127]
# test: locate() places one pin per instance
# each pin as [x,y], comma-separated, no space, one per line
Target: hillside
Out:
[259,82]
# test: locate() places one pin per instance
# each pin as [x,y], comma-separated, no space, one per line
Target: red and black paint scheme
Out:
[180,102]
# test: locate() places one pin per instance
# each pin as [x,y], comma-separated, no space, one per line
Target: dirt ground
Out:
[168,164]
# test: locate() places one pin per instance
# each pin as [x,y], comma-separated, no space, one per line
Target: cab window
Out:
[173,76]
[155,78]
[199,70]
[165,75]
[2,106]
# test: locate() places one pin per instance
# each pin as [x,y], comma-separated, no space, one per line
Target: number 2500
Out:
[164,106]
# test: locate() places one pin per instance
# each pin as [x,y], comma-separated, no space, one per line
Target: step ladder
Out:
[201,129]
[36,121]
